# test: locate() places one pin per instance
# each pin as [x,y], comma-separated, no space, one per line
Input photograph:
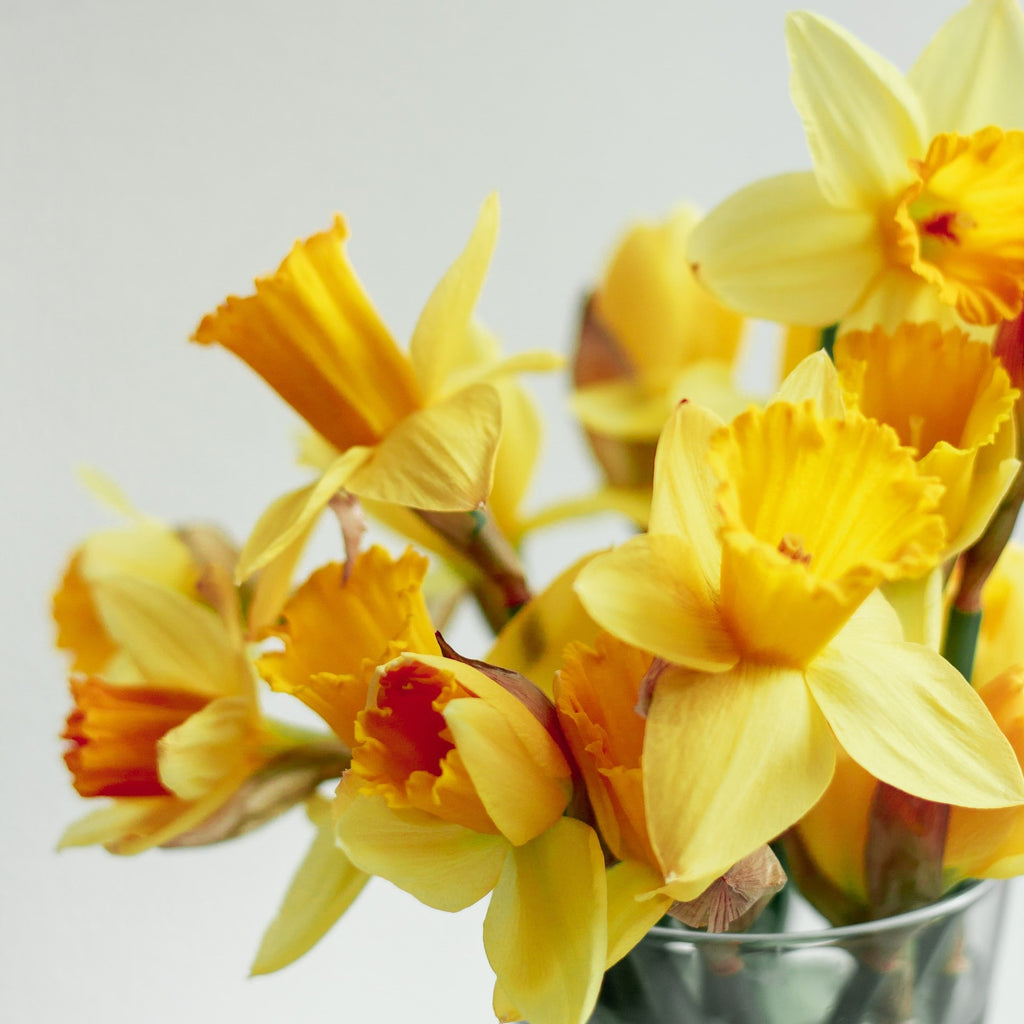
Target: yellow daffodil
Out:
[754,587]
[950,400]
[410,430]
[914,209]
[176,742]
[165,719]
[663,338]
[457,789]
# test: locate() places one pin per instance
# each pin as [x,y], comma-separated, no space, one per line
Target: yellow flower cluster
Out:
[788,635]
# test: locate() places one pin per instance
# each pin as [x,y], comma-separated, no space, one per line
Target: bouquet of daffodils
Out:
[808,662]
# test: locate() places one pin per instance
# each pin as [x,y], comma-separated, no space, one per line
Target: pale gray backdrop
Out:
[157,156]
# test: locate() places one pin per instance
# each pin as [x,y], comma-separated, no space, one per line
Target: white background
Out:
[156,157]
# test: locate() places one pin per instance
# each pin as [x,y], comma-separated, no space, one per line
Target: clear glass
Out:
[929,966]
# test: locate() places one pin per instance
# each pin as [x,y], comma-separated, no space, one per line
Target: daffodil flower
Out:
[914,209]
[950,400]
[175,743]
[671,339]
[754,586]
[457,789]
[409,430]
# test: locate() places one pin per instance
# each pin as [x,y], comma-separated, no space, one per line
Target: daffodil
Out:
[950,400]
[179,740]
[166,721]
[409,430]
[755,588]
[457,789]
[664,338]
[914,209]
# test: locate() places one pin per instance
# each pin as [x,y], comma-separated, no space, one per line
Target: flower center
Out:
[960,224]
[792,546]
[113,732]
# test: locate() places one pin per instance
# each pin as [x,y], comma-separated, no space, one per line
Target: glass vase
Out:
[929,966]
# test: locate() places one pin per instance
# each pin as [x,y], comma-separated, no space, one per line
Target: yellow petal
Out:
[778,249]
[322,889]
[626,409]
[730,761]
[437,341]
[650,593]
[533,641]
[440,458]
[862,119]
[972,73]
[274,583]
[207,747]
[653,306]
[312,334]
[908,717]
[133,825]
[520,797]
[175,641]
[291,516]
[445,866]
[545,932]
[631,917]
[1001,640]
[683,500]
[895,295]
[918,603]
[814,378]
[632,502]
[516,458]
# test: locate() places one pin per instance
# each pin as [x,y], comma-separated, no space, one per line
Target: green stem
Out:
[827,339]
[961,640]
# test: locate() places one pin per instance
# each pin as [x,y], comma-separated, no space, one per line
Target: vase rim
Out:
[953,903]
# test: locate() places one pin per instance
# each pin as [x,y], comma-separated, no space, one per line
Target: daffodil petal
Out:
[632,908]
[683,500]
[972,73]
[521,798]
[625,409]
[861,117]
[322,889]
[516,459]
[532,642]
[446,866]
[175,641]
[440,458]
[632,502]
[814,378]
[894,296]
[650,593]
[545,932]
[292,515]
[274,584]
[908,717]
[436,345]
[117,818]
[730,761]
[207,747]
[778,249]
